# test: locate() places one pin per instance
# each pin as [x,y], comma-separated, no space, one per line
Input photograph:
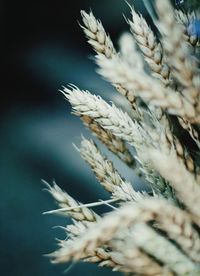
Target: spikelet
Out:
[107,175]
[113,143]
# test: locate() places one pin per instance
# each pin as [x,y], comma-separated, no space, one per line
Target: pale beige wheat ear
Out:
[172,170]
[150,47]
[113,143]
[140,234]
[82,218]
[187,19]
[108,116]
[105,172]
[181,60]
[150,91]
[96,35]
[185,68]
[102,44]
[64,200]
[155,58]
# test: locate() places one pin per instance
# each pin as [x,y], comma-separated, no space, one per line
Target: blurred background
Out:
[43,48]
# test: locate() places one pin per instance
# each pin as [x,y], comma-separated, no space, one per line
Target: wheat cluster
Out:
[157,231]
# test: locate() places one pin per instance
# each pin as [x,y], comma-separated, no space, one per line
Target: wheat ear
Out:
[151,49]
[96,35]
[102,44]
[185,185]
[136,260]
[159,247]
[187,20]
[185,68]
[107,175]
[106,257]
[131,58]
[83,217]
[64,201]
[146,238]
[150,91]
[113,143]
[101,255]
[108,116]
